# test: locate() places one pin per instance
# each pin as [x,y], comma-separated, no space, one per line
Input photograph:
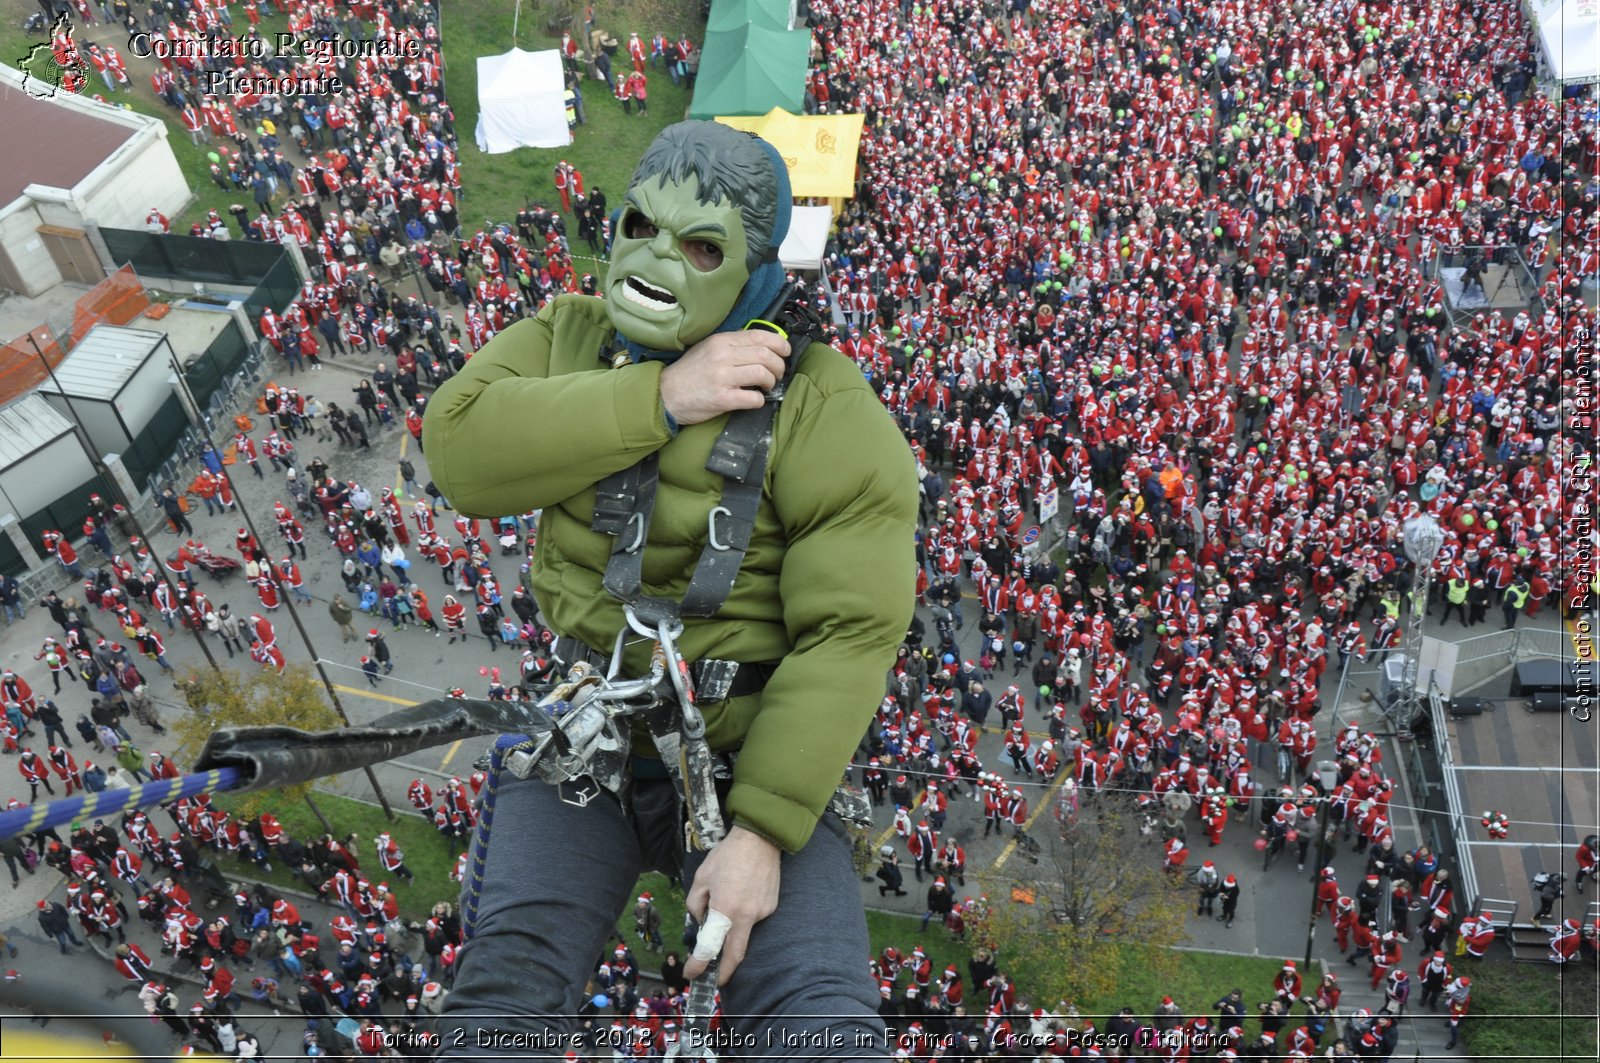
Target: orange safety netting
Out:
[20,368]
[116,300]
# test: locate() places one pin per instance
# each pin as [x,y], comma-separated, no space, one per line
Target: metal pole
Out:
[1414,646]
[116,490]
[288,599]
[1338,694]
[1316,876]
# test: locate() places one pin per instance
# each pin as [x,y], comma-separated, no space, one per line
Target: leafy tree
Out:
[259,698]
[1094,904]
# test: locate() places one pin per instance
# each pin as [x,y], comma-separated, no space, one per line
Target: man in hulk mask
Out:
[634,390]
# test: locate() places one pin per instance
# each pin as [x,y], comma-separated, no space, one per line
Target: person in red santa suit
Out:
[267,588]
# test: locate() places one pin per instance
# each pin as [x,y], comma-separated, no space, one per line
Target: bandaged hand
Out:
[738,881]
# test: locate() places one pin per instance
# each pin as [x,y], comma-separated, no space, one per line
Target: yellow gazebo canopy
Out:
[819,149]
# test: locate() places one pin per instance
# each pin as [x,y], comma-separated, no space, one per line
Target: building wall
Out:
[19,234]
[38,480]
[141,174]
[99,420]
[148,390]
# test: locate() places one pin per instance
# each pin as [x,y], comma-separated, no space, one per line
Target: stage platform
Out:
[1542,770]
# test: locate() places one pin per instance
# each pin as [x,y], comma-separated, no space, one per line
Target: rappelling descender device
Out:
[585,749]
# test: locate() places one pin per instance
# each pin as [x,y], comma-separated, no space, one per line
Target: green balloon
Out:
[1492,524]
[1161,629]
[1055,285]
[213,156]
[1045,691]
[1289,468]
[1338,241]
[1211,57]
[1122,114]
[261,130]
[1116,370]
[1304,476]
[1071,260]
[1262,447]
[1522,551]
[1415,156]
[1468,520]
[1217,231]
[1321,86]
[895,331]
[1461,204]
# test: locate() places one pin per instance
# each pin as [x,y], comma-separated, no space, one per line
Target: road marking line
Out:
[390,698]
[1048,799]
[445,761]
[916,803]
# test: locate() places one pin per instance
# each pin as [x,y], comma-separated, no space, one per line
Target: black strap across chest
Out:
[625,502]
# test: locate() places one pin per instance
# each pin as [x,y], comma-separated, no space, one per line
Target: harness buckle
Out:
[712,539]
[636,521]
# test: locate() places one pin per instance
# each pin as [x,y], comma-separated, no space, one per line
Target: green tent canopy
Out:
[750,70]
[729,15]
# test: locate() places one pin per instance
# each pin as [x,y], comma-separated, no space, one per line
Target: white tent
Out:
[808,238]
[1569,31]
[522,102]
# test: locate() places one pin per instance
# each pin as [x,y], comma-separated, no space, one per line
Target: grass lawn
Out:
[1529,1011]
[1198,980]
[606,149]
[426,853]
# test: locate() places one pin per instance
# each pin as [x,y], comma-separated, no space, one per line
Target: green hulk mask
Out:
[694,246]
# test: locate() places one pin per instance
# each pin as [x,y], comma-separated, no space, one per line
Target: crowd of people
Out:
[1180,273]
[218,946]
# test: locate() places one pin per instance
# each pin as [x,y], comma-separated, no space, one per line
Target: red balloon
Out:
[1292,835]
[1261,844]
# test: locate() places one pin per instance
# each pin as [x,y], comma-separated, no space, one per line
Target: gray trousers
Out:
[558,878]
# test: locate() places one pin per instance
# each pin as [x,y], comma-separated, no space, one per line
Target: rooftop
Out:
[25,426]
[57,142]
[102,362]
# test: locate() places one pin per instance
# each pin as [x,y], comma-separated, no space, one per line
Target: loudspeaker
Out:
[1470,706]
[1546,701]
